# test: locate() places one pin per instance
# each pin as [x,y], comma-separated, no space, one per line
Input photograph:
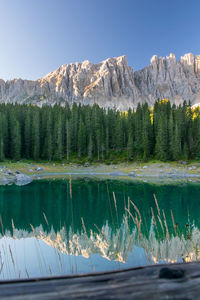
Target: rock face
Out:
[169,78]
[111,83]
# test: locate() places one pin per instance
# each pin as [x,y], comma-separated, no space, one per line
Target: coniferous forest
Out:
[164,132]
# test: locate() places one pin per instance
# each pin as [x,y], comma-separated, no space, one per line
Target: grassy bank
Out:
[153,168]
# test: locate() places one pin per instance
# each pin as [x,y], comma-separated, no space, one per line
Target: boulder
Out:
[132,174]
[39,169]
[22,179]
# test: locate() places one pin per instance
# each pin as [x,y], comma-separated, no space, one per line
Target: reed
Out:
[155,223]
[165,222]
[100,231]
[174,225]
[115,202]
[133,221]
[83,225]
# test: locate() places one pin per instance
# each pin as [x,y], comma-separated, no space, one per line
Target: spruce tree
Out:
[130,147]
[15,136]
[27,134]
[161,147]
[68,138]
[146,133]
[58,136]
[81,139]
[2,155]
[176,143]
[90,148]
[35,145]
[48,139]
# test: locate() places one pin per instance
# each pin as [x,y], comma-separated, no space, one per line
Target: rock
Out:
[39,169]
[118,173]
[17,172]
[22,179]
[145,167]
[132,174]
[192,168]
[171,79]
[111,83]
[4,181]
[182,162]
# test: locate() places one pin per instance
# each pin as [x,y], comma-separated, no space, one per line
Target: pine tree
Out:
[107,142]
[161,147]
[48,140]
[58,135]
[176,143]
[81,139]
[2,155]
[130,147]
[146,133]
[27,134]
[119,133]
[35,135]
[15,135]
[68,138]
[138,131]
[90,148]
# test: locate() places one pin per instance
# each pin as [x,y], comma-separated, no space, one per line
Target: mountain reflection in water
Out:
[45,232]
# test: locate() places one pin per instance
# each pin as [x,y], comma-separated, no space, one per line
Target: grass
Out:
[28,166]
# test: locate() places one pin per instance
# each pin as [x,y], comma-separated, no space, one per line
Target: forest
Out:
[164,132]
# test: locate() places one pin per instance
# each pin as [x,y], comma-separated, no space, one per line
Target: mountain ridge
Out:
[110,83]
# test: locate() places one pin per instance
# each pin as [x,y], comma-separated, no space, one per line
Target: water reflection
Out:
[46,233]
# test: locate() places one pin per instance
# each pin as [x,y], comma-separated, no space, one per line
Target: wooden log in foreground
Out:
[177,281]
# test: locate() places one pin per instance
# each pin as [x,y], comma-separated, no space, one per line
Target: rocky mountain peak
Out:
[187,59]
[110,83]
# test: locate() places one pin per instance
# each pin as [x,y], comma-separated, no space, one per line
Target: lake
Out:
[52,227]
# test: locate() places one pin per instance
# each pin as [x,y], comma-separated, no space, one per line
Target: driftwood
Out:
[178,281]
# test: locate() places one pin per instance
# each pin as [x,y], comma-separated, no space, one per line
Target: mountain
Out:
[111,83]
[114,246]
[169,78]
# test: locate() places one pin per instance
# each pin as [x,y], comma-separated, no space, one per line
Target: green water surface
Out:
[46,230]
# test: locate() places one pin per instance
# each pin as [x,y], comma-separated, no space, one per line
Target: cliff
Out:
[111,83]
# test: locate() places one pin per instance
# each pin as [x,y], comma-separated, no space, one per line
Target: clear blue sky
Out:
[37,36]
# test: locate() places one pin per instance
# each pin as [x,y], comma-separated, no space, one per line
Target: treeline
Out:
[164,132]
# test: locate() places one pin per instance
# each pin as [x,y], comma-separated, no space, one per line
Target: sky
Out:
[38,36]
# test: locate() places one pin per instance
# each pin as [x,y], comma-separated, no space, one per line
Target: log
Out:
[174,281]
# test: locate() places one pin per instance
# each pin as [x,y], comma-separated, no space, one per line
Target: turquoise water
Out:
[47,231]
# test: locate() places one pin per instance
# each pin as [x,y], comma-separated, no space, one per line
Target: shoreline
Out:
[150,172]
